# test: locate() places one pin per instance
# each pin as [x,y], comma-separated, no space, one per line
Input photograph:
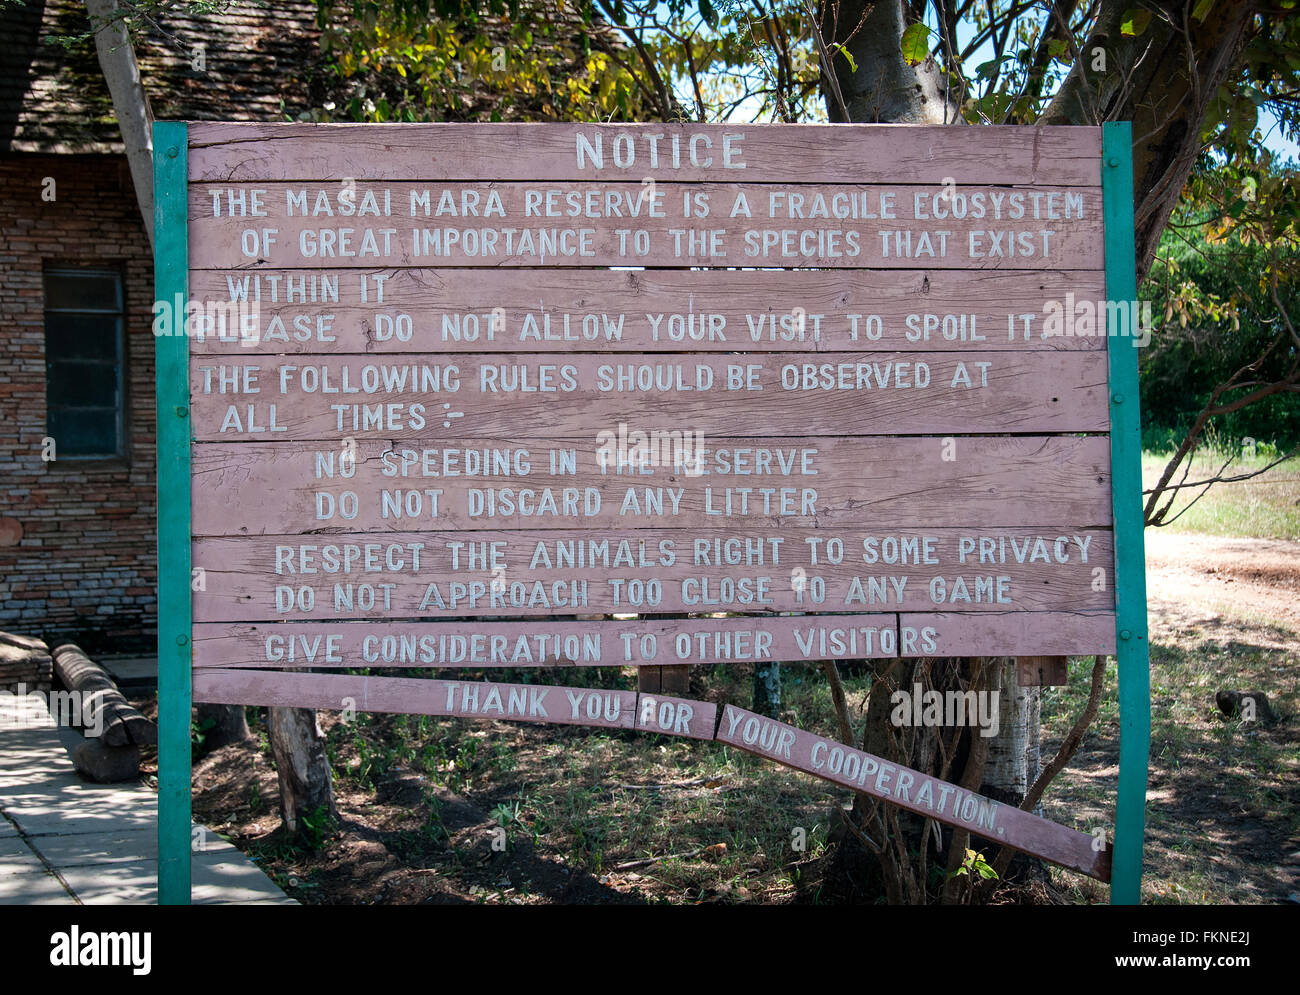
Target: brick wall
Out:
[77,548]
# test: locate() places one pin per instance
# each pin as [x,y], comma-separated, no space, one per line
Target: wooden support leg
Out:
[1043,671]
[674,680]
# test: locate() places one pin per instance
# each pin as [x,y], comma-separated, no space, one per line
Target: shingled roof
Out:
[260,64]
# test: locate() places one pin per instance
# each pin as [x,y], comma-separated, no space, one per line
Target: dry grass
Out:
[1265,507]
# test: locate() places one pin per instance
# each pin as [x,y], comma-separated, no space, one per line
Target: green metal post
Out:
[1126,497]
[172,383]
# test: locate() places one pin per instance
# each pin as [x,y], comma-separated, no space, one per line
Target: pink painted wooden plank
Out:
[440,397]
[676,716]
[535,225]
[228,152]
[431,575]
[553,310]
[1009,633]
[910,789]
[257,488]
[414,696]
[582,643]
[805,751]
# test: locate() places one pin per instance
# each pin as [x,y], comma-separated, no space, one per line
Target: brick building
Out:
[77,531]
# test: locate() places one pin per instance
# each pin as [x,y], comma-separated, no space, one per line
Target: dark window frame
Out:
[121,453]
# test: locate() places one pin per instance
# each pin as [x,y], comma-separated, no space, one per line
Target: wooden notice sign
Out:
[840,392]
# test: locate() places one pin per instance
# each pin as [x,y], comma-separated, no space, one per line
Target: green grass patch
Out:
[1264,507]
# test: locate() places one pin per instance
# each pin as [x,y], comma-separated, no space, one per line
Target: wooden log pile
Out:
[113,754]
[103,704]
[25,664]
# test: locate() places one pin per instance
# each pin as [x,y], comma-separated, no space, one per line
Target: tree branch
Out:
[837,698]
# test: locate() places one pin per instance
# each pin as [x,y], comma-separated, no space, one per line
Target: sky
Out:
[1281,146]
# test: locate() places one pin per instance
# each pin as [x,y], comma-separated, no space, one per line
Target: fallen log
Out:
[106,764]
[102,705]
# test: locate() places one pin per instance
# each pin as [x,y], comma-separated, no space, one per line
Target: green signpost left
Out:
[171,269]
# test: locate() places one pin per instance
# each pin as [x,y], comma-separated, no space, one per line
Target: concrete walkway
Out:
[66,842]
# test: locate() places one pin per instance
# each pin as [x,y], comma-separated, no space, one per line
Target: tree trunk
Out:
[884,88]
[222,725]
[306,787]
[1013,754]
[1163,81]
[1014,763]
[1034,740]
[130,102]
[958,888]
[767,689]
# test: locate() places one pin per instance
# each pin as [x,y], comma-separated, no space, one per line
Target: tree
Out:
[221,725]
[130,102]
[303,771]
[453,61]
[1224,280]
[1230,362]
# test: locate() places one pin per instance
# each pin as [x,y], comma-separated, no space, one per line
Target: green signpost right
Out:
[1126,493]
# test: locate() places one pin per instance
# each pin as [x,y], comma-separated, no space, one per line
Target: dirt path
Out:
[1193,579]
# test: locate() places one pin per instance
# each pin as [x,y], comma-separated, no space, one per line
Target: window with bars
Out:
[84,354]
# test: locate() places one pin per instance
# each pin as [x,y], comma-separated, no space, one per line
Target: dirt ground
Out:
[1223,804]
[1209,576]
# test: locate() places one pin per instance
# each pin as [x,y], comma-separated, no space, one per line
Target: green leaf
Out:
[915,45]
[1202,9]
[1244,118]
[1134,21]
[853,65]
